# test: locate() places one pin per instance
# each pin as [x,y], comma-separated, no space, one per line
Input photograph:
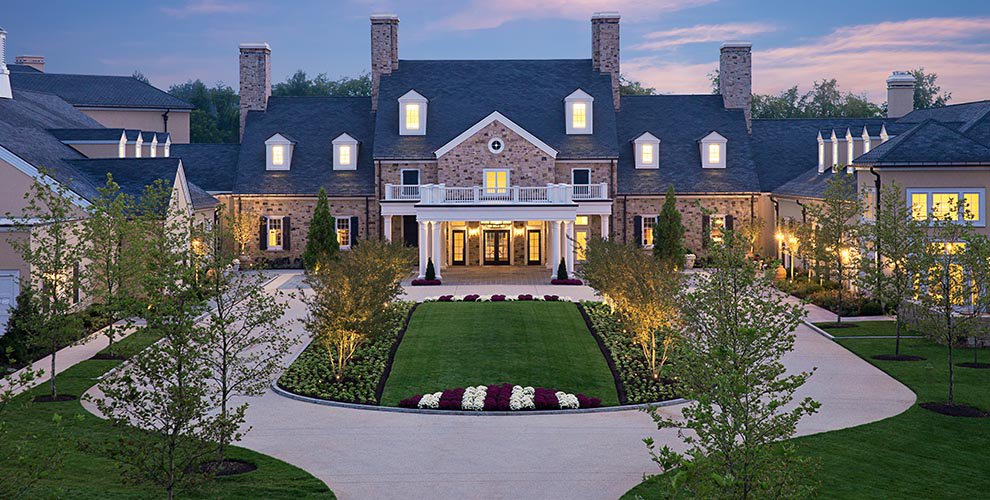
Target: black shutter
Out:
[728,223]
[263,233]
[638,230]
[706,227]
[353,231]
[286,234]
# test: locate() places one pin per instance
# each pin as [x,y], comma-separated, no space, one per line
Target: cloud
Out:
[668,39]
[207,7]
[486,14]
[859,57]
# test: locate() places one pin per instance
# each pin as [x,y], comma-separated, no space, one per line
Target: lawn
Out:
[85,474]
[449,345]
[867,328]
[917,454]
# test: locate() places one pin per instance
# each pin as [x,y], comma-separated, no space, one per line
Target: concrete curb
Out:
[817,330]
[392,409]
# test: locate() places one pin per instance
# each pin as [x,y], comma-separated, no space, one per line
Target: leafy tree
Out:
[668,234]
[787,104]
[351,298]
[321,239]
[53,254]
[736,333]
[106,231]
[244,229]
[825,100]
[25,319]
[836,220]
[139,76]
[216,118]
[927,93]
[632,87]
[23,466]
[977,264]
[716,81]
[300,85]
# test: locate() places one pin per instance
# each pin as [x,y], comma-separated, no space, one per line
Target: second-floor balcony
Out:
[551,194]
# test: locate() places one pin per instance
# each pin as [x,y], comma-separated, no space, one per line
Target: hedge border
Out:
[391,355]
[620,389]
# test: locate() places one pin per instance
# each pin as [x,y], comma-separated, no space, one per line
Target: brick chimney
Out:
[605,48]
[735,78]
[36,62]
[5,91]
[900,94]
[256,78]
[384,50]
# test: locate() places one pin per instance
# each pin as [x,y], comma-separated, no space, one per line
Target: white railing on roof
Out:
[440,194]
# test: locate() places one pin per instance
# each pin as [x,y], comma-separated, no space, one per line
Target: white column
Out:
[387,222]
[604,227]
[424,243]
[554,243]
[437,246]
[569,246]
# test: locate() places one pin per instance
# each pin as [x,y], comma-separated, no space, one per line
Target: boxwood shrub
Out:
[628,357]
[310,374]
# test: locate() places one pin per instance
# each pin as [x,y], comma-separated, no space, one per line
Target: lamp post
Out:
[791,246]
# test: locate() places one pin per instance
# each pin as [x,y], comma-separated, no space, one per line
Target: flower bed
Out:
[630,365]
[494,298]
[500,397]
[310,374]
[570,281]
[419,282]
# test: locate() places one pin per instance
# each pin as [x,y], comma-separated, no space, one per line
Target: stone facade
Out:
[600,172]
[735,70]
[384,51]
[605,48]
[391,172]
[256,79]
[464,165]
[691,215]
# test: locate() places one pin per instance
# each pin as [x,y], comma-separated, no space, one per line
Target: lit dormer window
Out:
[279,152]
[647,150]
[713,151]
[137,146]
[412,114]
[345,151]
[579,112]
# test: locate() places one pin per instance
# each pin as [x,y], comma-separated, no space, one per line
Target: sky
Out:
[671,45]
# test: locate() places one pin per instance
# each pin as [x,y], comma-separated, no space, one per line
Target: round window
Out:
[495,145]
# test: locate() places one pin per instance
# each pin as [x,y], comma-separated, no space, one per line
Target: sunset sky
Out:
[670,45]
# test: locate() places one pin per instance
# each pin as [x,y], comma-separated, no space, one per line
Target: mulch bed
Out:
[898,357]
[978,366]
[955,410]
[229,468]
[114,357]
[47,398]
[837,325]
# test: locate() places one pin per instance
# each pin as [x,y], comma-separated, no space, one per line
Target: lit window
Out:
[648,224]
[646,154]
[717,230]
[496,181]
[274,233]
[580,244]
[714,154]
[412,116]
[344,232]
[945,206]
[345,155]
[971,208]
[919,206]
[581,220]
[579,115]
[278,155]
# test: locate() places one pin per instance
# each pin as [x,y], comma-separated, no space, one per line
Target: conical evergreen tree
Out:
[321,240]
[431,272]
[668,234]
[562,270]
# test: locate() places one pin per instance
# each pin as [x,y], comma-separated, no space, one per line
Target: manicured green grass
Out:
[449,345]
[917,454]
[867,328]
[86,474]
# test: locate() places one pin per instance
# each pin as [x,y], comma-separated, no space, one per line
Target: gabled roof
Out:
[313,122]
[809,184]
[488,120]
[963,114]
[461,93]
[70,135]
[679,121]
[97,90]
[929,143]
[134,174]
[209,166]
[22,68]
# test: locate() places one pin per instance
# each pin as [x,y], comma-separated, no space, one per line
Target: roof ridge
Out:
[496,60]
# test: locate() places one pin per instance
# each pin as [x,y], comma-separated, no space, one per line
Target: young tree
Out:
[106,234]
[51,219]
[736,332]
[321,240]
[245,338]
[927,93]
[244,229]
[24,465]
[836,219]
[977,265]
[351,297]
[668,235]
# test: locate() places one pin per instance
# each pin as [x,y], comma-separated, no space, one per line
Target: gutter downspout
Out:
[877,185]
[804,211]
[165,119]
[776,223]
[625,217]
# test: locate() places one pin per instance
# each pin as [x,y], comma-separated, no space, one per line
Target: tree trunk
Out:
[51,375]
[897,336]
[950,371]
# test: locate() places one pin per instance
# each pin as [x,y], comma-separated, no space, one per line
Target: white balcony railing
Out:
[440,194]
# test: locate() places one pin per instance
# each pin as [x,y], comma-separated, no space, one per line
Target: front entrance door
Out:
[497,247]
[458,249]
[533,247]
[410,231]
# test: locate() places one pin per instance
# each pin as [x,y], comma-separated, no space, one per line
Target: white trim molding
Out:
[345,149]
[409,101]
[640,145]
[980,209]
[275,160]
[713,139]
[572,102]
[496,116]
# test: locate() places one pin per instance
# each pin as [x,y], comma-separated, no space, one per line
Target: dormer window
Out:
[345,151]
[579,112]
[713,151]
[647,150]
[122,147]
[850,150]
[821,153]
[835,149]
[168,147]
[279,152]
[137,146]
[412,114]
[883,134]
[866,141]
[154,147]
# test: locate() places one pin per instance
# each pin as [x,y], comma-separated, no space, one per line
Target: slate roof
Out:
[809,184]
[785,149]
[314,122]
[964,114]
[97,90]
[87,134]
[929,143]
[680,121]
[210,166]
[134,174]
[22,68]
[529,92]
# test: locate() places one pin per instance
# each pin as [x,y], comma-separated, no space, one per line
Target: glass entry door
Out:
[458,239]
[533,247]
[497,247]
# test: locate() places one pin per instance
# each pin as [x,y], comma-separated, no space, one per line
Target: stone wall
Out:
[600,172]
[691,215]
[464,165]
[391,172]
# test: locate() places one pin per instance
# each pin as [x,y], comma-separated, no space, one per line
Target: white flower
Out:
[474,398]
[430,400]
[521,398]
[567,400]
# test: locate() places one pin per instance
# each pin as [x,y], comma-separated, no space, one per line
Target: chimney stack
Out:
[900,94]
[735,78]
[384,51]
[256,78]
[5,91]
[605,48]
[36,62]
